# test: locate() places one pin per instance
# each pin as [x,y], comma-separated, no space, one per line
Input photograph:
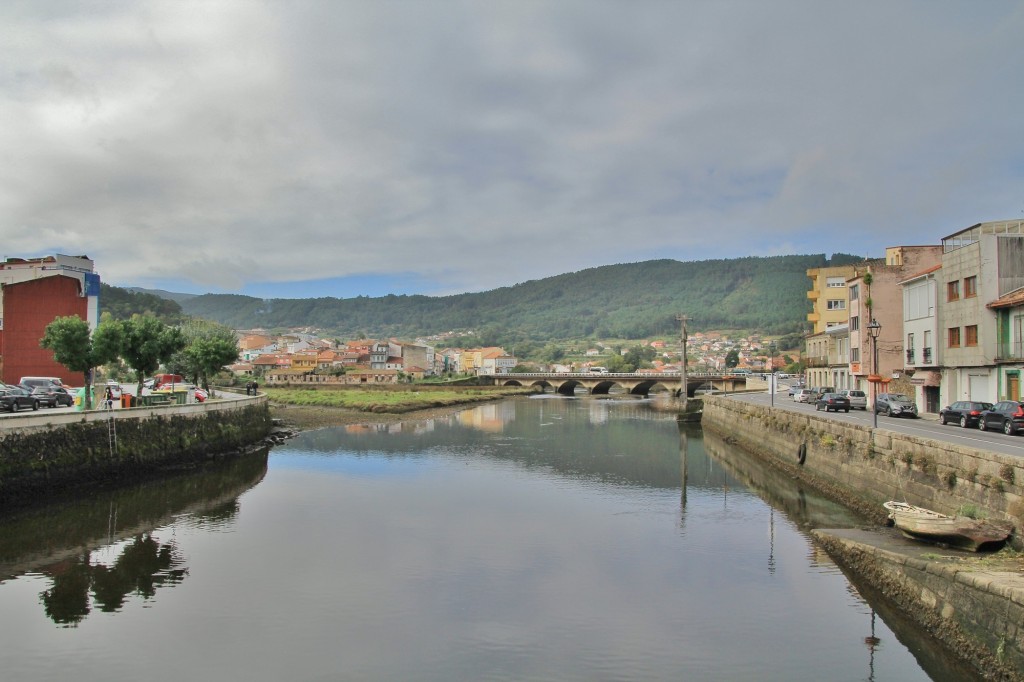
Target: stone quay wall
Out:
[978,613]
[864,467]
[45,453]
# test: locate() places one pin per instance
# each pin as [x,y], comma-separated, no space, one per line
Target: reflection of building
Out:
[490,417]
[34,292]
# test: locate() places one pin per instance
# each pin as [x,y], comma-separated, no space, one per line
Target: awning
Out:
[926,378]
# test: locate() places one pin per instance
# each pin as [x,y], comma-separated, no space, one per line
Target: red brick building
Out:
[34,292]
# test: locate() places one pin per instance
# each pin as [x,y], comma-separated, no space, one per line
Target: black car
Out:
[1006,414]
[14,398]
[895,405]
[963,412]
[832,401]
[50,396]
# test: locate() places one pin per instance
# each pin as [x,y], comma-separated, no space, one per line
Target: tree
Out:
[79,350]
[732,358]
[207,348]
[209,355]
[146,343]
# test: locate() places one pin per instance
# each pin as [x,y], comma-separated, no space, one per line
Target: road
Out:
[927,426]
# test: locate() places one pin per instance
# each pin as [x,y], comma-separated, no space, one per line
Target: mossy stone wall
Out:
[38,462]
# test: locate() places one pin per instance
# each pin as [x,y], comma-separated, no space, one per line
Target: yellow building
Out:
[830,296]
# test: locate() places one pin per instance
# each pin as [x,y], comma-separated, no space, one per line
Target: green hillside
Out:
[627,301]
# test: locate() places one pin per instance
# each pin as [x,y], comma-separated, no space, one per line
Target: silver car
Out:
[858,399]
[895,405]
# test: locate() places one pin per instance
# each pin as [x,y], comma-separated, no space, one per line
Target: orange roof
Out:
[1010,300]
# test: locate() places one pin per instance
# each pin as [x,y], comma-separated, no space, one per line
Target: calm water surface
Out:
[535,539]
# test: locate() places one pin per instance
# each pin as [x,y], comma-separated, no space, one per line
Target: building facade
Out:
[33,293]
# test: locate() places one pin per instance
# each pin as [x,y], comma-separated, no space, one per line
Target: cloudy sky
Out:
[347,147]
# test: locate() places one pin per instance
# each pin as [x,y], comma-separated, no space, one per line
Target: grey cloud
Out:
[289,141]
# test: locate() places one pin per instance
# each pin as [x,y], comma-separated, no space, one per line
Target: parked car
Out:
[50,396]
[804,395]
[858,399]
[14,398]
[1006,414]
[895,405]
[963,412]
[832,401]
[822,390]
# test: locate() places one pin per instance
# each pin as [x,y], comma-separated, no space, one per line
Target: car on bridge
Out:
[895,405]
[1006,414]
[14,398]
[805,395]
[963,412]
[858,399]
[832,401]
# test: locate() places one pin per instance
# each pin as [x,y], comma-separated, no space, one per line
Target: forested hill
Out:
[631,301]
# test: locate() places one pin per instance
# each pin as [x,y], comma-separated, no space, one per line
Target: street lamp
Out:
[771,358]
[874,329]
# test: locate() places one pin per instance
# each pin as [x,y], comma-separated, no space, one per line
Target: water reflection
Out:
[809,510]
[142,565]
[806,509]
[104,545]
[560,539]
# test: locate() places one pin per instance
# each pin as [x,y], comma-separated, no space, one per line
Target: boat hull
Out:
[960,532]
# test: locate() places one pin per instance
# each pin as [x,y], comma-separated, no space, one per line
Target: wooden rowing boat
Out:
[961,532]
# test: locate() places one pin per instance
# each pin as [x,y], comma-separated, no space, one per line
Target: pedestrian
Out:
[255,388]
[108,399]
[248,388]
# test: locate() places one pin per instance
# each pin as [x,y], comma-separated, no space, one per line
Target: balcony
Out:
[910,356]
[816,361]
[1011,352]
[813,295]
[926,356]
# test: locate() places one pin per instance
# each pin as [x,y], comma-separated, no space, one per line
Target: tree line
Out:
[198,349]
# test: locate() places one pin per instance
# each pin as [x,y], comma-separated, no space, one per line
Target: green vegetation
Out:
[80,350]
[123,303]
[628,301]
[393,401]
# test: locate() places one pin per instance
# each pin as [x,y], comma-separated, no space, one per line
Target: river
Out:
[541,538]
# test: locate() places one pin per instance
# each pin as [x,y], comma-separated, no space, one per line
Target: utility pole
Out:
[682,365]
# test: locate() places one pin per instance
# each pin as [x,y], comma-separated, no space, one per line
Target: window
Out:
[971,335]
[854,324]
[835,282]
[970,287]
[953,291]
[910,348]
[854,292]
[954,337]
[855,355]
[836,304]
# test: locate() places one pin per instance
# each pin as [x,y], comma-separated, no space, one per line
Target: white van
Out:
[34,382]
[598,370]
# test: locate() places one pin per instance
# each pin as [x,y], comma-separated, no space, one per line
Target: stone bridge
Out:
[634,383]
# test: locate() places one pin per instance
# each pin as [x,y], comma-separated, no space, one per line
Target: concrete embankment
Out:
[48,452]
[975,608]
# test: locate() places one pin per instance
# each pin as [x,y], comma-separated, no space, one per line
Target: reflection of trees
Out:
[144,565]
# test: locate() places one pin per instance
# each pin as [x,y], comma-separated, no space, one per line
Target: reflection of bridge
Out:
[634,383]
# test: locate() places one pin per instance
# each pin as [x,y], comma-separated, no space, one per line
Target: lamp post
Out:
[874,329]
[771,359]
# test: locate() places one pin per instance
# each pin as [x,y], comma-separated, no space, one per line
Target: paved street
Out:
[926,426]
